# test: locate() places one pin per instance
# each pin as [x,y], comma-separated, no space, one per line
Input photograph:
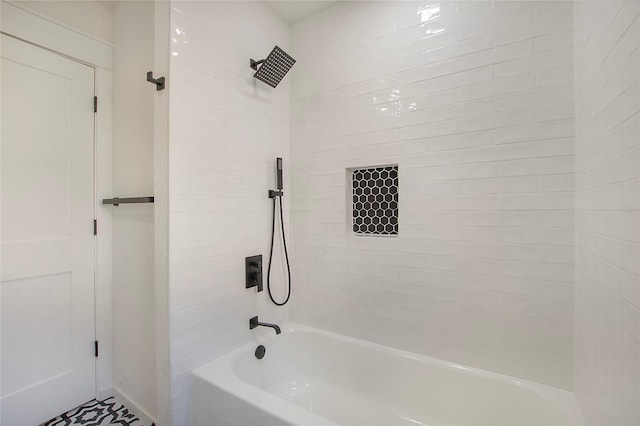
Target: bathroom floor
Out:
[99,413]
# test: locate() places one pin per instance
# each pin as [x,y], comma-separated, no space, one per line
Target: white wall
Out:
[162,48]
[89,17]
[473,100]
[226,129]
[133,225]
[607,350]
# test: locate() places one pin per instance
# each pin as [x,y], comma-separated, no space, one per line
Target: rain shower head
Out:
[274,68]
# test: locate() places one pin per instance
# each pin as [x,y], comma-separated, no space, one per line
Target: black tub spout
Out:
[253,323]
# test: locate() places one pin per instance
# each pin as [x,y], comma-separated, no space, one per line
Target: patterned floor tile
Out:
[98,413]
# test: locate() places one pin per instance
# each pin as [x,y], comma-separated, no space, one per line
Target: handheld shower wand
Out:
[277,194]
[279,173]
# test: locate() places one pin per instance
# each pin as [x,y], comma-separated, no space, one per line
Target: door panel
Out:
[52,294]
[48,314]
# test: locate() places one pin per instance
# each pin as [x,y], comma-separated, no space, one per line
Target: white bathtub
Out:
[314,377]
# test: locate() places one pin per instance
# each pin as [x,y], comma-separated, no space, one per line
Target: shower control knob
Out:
[253,272]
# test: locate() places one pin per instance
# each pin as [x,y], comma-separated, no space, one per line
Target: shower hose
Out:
[286,255]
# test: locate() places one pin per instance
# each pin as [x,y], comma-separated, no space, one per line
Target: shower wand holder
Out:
[275,193]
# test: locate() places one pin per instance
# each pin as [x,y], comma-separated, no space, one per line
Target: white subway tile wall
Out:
[607,350]
[226,130]
[474,102]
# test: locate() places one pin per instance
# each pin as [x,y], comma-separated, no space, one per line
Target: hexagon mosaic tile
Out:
[375,200]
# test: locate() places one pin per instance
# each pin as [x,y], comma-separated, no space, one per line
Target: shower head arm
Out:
[254,64]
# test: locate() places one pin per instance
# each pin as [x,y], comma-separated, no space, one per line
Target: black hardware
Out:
[95,227]
[135,200]
[253,271]
[274,68]
[277,196]
[279,173]
[95,348]
[159,82]
[277,192]
[95,104]
[260,350]
[254,64]
[253,323]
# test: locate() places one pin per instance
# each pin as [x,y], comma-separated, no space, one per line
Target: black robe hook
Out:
[158,82]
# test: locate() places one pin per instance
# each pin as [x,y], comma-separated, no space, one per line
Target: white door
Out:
[47,211]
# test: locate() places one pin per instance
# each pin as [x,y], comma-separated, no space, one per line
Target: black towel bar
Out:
[135,200]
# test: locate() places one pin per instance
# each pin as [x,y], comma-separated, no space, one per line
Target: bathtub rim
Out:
[220,373]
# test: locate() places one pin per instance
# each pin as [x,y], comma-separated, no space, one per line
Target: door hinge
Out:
[95,227]
[95,104]
[96,348]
